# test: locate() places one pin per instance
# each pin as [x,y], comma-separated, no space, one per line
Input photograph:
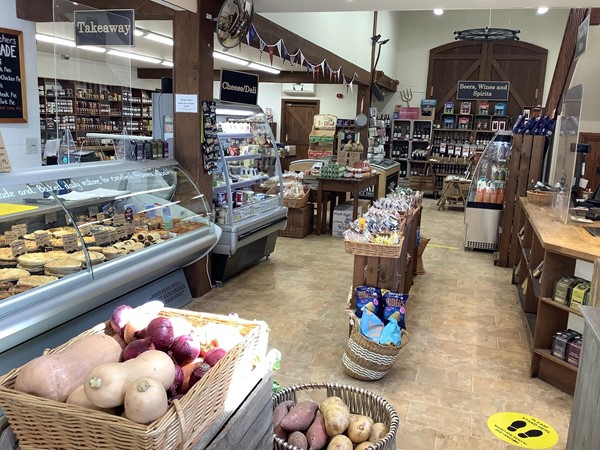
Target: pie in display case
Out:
[247,189]
[75,238]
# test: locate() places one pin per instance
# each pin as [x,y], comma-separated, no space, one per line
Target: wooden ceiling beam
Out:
[595,16]
[41,10]
[153,74]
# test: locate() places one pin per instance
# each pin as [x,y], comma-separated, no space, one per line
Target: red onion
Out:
[198,373]
[185,349]
[136,348]
[120,316]
[160,331]
[213,356]
[172,391]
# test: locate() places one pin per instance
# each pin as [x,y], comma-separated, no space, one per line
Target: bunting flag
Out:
[301,58]
[252,34]
[270,50]
[286,55]
[323,67]
[278,45]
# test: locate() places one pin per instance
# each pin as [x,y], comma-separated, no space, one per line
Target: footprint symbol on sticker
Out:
[516,425]
[530,434]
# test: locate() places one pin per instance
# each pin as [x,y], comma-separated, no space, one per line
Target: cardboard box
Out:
[574,351]
[579,293]
[560,343]
[561,289]
[342,218]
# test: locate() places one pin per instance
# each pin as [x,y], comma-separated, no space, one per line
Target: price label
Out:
[121,233]
[101,217]
[129,229]
[92,211]
[10,236]
[20,229]
[50,217]
[112,236]
[85,229]
[101,238]
[42,239]
[18,247]
[119,220]
[70,242]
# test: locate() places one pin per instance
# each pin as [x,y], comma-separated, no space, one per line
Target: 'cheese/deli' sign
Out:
[103,27]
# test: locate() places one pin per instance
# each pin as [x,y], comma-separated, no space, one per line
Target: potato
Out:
[364,445]
[329,402]
[340,442]
[317,434]
[300,417]
[279,413]
[298,439]
[337,419]
[378,432]
[359,428]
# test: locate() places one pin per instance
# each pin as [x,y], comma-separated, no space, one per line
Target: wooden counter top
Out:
[571,240]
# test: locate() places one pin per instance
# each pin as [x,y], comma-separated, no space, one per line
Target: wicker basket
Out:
[367,360]
[540,198]
[299,222]
[369,249]
[360,401]
[294,203]
[45,424]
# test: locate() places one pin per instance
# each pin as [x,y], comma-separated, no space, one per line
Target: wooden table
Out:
[344,185]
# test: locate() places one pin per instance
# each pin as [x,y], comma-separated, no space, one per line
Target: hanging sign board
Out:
[582,37]
[13,101]
[104,27]
[496,91]
[238,87]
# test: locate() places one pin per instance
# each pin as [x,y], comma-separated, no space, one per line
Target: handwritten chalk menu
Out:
[13,101]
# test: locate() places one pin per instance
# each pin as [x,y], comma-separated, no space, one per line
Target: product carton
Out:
[342,218]
[580,294]
[560,343]
[561,289]
[574,351]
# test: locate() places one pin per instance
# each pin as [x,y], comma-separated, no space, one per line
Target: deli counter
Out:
[78,240]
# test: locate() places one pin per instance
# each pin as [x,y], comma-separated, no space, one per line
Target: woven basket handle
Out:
[182,424]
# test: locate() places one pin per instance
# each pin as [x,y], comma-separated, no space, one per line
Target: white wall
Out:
[586,73]
[270,96]
[14,134]
[91,71]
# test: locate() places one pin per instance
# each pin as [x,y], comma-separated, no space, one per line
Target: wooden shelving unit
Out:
[545,239]
[409,138]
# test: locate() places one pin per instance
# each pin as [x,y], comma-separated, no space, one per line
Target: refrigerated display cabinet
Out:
[486,194]
[78,240]
[247,189]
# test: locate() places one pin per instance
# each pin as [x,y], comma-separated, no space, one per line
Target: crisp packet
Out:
[394,302]
[365,295]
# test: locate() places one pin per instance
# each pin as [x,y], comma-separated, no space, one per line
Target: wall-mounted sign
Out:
[13,99]
[186,103]
[103,27]
[496,91]
[582,37]
[239,87]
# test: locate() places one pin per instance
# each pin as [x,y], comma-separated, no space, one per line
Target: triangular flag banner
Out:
[286,55]
[301,59]
[262,45]
[307,67]
[278,45]
[252,33]
[271,50]
[323,67]
[313,71]
[351,87]
[330,74]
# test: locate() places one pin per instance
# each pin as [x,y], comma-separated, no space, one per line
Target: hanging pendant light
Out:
[487,34]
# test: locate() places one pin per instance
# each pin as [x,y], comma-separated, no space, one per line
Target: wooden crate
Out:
[300,222]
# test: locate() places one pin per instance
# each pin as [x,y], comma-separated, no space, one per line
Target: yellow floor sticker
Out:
[443,246]
[522,430]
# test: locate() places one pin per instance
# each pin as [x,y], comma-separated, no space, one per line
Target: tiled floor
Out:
[468,355]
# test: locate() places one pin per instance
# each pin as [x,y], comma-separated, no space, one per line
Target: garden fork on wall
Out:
[406,96]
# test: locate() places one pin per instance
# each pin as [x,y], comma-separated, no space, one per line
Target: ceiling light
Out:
[138,32]
[133,56]
[54,40]
[92,48]
[167,63]
[438,11]
[231,59]
[542,10]
[264,68]
[159,38]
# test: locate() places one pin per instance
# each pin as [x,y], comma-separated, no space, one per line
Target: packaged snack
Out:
[365,295]
[394,302]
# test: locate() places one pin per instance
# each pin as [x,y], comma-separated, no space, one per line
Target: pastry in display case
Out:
[247,188]
[75,238]
[486,194]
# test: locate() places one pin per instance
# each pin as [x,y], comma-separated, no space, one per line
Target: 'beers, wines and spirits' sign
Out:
[103,27]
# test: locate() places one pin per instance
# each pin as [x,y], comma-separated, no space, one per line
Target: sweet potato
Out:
[359,428]
[300,416]
[279,413]
[298,439]
[363,446]
[337,418]
[317,434]
[340,442]
[378,432]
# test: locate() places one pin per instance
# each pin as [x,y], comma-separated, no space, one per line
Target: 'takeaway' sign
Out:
[13,100]
[497,91]
[104,27]
[239,87]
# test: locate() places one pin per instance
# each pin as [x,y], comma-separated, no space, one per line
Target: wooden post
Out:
[193,74]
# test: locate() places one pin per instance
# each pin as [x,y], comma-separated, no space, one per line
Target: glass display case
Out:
[75,238]
[486,194]
[247,188]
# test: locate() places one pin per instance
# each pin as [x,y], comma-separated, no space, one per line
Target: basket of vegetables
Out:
[150,378]
[319,416]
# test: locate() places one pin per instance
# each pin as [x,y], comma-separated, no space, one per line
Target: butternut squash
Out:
[54,376]
[79,398]
[106,384]
[145,400]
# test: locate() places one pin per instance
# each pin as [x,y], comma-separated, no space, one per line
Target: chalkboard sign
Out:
[13,101]
[497,91]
